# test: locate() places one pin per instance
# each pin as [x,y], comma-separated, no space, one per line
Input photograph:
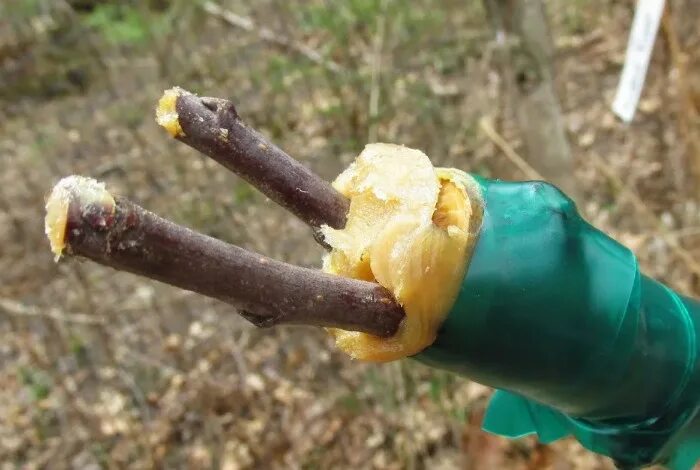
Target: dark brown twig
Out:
[212,126]
[118,233]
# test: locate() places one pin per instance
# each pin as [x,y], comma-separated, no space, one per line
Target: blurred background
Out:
[101,369]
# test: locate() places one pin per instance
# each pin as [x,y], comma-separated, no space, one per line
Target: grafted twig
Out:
[212,126]
[88,221]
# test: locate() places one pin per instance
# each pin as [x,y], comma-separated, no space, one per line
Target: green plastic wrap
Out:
[556,315]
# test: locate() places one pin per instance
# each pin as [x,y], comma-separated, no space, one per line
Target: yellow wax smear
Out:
[166,114]
[411,228]
[84,191]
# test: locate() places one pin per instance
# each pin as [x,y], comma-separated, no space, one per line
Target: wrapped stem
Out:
[558,317]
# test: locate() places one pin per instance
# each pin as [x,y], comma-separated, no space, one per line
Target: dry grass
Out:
[154,377]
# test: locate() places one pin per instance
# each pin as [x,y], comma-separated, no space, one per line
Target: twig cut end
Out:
[89,194]
[166,113]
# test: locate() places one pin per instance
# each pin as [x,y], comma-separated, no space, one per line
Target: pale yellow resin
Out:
[166,114]
[409,230]
[84,191]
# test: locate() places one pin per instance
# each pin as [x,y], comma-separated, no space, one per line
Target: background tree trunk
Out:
[526,65]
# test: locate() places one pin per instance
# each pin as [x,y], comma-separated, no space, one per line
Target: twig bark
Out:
[212,126]
[127,237]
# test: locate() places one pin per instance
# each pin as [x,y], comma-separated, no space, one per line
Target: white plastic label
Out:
[641,42]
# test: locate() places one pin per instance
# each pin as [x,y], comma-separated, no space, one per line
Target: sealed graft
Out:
[501,282]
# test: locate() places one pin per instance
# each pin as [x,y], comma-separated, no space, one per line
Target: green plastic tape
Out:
[556,315]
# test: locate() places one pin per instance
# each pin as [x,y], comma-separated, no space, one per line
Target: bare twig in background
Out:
[12,307]
[270,36]
[213,127]
[120,234]
[508,150]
